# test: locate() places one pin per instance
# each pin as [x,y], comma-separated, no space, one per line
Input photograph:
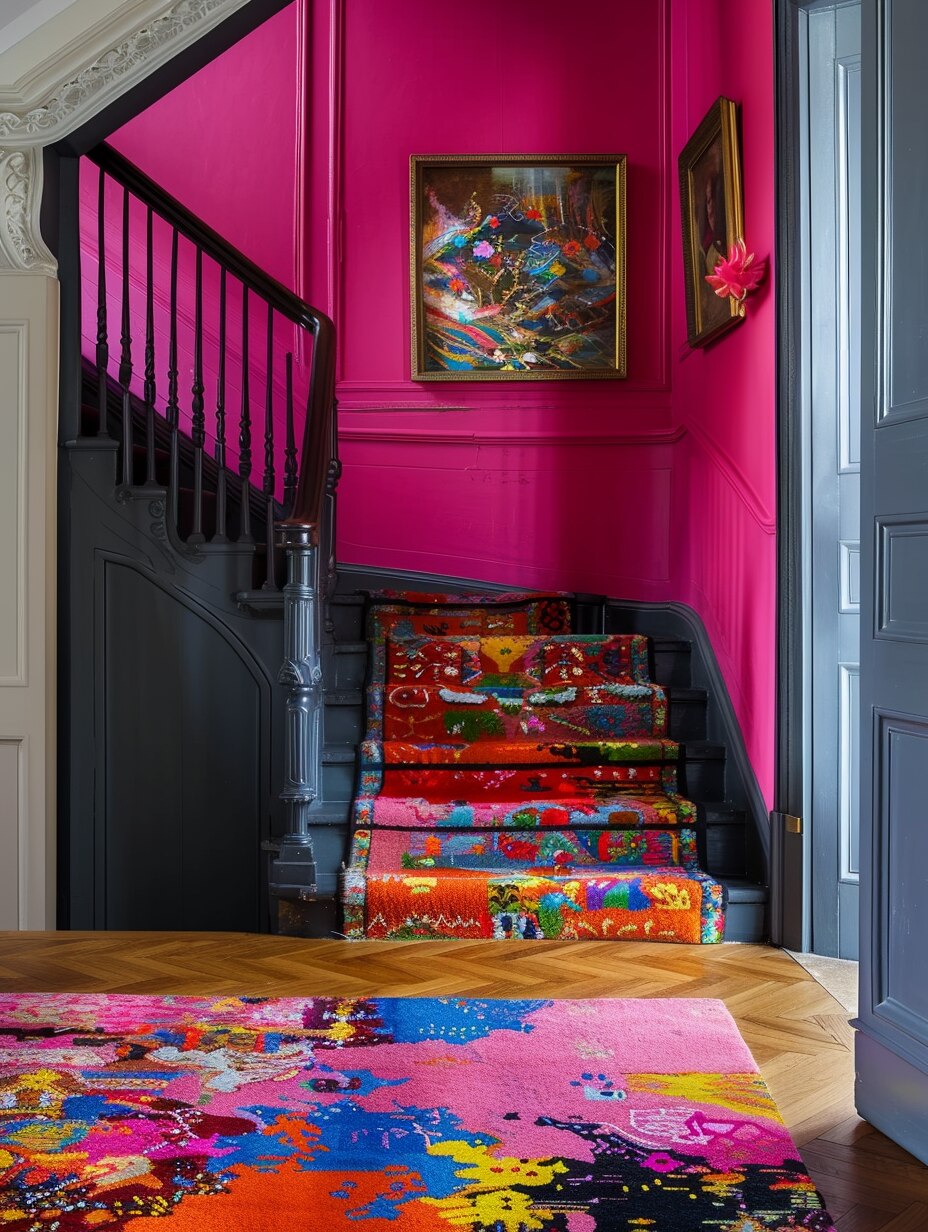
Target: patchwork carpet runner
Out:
[246,1114]
[517,782]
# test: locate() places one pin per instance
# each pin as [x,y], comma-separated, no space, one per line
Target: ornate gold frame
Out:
[418,165]
[719,125]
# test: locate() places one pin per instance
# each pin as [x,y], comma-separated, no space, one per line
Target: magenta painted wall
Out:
[657,488]
[223,143]
[549,484]
[724,394]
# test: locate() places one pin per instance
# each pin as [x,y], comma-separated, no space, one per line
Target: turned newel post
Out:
[307,536]
[293,873]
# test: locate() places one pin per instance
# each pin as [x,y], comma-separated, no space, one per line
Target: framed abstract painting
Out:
[712,212]
[517,266]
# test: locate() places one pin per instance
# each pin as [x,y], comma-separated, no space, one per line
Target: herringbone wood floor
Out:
[797,1032]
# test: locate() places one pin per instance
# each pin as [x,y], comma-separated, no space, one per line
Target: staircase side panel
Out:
[172,745]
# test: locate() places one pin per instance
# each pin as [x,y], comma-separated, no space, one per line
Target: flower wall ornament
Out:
[737,274]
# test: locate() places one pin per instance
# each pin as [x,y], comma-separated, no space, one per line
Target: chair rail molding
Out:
[71,85]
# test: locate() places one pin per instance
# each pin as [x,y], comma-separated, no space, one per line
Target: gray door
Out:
[892,1038]
[833,469]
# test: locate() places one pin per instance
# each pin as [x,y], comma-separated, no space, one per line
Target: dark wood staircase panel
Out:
[686,712]
[347,612]
[350,664]
[671,661]
[746,918]
[344,716]
[702,770]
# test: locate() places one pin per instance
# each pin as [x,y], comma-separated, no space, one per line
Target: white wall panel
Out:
[13,441]
[11,810]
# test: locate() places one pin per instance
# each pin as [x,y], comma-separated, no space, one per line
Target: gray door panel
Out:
[892,1042]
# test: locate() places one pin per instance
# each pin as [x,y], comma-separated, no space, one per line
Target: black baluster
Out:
[290,466]
[198,417]
[172,412]
[125,355]
[103,349]
[244,434]
[150,478]
[220,535]
[270,582]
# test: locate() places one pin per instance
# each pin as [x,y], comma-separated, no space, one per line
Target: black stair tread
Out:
[702,750]
[671,643]
[740,890]
[262,598]
[355,600]
[677,693]
[350,647]
[338,754]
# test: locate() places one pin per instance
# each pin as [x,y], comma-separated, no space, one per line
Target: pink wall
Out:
[724,394]
[230,160]
[657,488]
[547,484]
[223,143]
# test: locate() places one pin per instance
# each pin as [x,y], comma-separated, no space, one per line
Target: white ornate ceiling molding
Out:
[73,88]
[21,243]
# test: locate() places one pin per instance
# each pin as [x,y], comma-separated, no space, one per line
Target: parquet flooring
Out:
[797,1032]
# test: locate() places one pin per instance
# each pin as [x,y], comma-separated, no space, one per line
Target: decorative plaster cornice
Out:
[21,243]
[71,100]
[71,96]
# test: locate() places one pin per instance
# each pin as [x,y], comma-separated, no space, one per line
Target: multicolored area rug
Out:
[245,1114]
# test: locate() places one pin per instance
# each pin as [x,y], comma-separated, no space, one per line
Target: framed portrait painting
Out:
[517,266]
[711,207]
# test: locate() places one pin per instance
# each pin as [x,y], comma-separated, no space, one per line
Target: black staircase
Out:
[203,785]
[202,449]
[731,816]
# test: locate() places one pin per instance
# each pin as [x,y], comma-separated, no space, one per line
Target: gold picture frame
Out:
[517,267]
[712,212]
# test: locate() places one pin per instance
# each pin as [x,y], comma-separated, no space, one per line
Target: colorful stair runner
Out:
[517,782]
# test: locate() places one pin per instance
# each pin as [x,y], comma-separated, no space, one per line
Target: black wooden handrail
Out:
[318,445]
[319,432]
[169,208]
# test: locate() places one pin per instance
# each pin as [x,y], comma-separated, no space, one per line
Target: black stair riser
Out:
[347,618]
[350,667]
[338,781]
[724,847]
[687,718]
[670,663]
[343,724]
[702,779]
[746,922]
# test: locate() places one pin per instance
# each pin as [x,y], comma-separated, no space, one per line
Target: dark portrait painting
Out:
[710,192]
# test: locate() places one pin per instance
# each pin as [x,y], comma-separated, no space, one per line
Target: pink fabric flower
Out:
[483,249]
[737,273]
